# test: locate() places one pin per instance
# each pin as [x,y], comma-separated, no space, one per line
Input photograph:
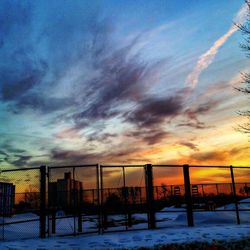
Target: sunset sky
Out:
[121,82]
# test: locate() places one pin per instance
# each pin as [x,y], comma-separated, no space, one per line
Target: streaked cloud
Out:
[208,57]
[68,133]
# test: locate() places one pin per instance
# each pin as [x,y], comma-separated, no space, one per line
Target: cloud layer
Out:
[78,83]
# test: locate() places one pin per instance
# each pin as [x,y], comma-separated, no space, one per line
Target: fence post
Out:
[217,189]
[42,201]
[235,196]
[103,212]
[79,211]
[202,188]
[188,197]
[74,201]
[150,195]
[98,197]
[79,220]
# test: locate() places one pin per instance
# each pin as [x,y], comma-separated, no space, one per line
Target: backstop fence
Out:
[70,200]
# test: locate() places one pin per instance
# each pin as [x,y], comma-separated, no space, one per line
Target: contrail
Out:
[208,57]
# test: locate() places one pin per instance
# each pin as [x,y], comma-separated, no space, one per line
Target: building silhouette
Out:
[7,198]
[65,193]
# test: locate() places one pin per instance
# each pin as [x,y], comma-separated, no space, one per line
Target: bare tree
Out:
[245,89]
[32,196]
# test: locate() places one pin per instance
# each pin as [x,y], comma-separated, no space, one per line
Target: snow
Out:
[219,225]
[133,239]
[245,201]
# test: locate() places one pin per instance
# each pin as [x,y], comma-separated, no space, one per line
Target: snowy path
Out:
[132,239]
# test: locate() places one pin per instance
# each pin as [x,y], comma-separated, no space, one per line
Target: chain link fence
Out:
[72,200]
[19,203]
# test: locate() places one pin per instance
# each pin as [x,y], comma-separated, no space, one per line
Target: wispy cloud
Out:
[68,133]
[208,57]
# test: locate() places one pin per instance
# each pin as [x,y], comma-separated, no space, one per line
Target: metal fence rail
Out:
[70,200]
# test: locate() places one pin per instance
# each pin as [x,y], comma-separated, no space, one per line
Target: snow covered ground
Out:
[133,239]
[219,225]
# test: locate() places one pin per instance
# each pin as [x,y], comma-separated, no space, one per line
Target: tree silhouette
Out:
[245,89]
[32,197]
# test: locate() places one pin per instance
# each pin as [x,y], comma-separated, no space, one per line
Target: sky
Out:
[121,82]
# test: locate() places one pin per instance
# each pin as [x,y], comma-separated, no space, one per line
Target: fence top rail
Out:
[18,169]
[121,166]
[201,166]
[206,166]
[167,166]
[73,166]
[174,166]
[241,167]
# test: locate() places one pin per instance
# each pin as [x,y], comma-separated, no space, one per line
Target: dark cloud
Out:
[210,156]
[153,111]
[16,88]
[193,114]
[196,124]
[201,109]
[3,156]
[15,150]
[122,79]
[15,156]
[22,161]
[3,153]
[68,157]
[101,138]
[8,148]
[36,55]
[219,155]
[151,136]
[21,68]
[13,89]
[72,157]
[143,160]
[79,38]
[154,137]
[121,153]
[41,104]
[190,145]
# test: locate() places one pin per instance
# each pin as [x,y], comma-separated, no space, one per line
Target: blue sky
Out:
[121,82]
